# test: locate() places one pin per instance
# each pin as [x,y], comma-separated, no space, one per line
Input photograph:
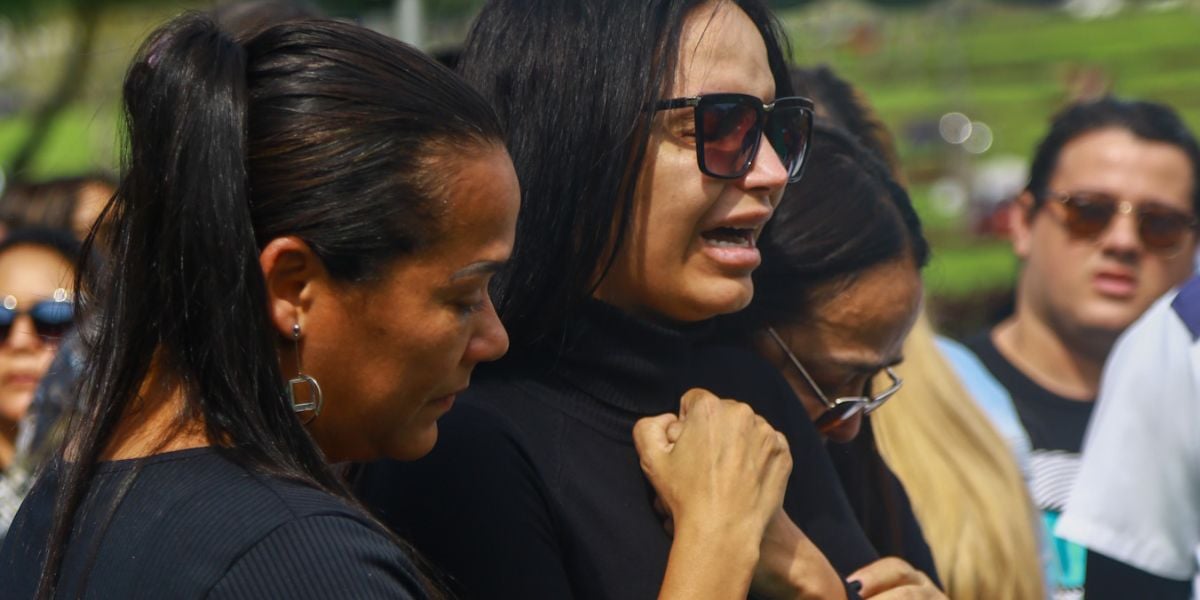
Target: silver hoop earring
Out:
[315,400]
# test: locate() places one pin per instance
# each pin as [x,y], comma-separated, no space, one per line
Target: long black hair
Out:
[317,129]
[574,83]
[846,215]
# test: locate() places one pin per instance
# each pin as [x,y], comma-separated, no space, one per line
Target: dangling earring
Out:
[315,401]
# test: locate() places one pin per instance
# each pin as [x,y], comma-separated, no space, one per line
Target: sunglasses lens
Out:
[1087,216]
[837,415]
[729,131]
[789,132]
[1162,228]
[53,319]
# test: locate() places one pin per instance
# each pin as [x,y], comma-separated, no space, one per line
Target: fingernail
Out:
[855,586]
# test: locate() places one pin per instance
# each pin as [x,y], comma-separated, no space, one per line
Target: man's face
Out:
[1101,284]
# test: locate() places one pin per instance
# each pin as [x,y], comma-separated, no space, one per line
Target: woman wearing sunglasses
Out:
[36,276]
[293,276]
[653,140]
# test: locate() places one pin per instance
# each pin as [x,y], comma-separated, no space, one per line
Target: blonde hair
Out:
[962,478]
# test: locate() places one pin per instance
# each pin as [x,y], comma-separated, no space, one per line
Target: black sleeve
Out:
[880,502]
[476,508]
[321,556]
[815,499]
[1108,578]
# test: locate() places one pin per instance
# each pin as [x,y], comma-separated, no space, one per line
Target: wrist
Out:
[791,566]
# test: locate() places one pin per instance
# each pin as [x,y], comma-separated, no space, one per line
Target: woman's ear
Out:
[292,272]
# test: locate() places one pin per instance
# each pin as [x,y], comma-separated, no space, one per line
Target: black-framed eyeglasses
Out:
[1162,229]
[842,409]
[52,317]
[730,128]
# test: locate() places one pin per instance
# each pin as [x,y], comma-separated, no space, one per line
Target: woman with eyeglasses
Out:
[653,140]
[839,290]
[36,278]
[296,273]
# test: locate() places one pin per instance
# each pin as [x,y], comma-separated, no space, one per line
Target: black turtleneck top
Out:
[534,489]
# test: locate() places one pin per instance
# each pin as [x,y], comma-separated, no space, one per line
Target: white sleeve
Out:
[1137,496]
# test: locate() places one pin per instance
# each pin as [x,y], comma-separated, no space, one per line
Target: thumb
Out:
[674,431]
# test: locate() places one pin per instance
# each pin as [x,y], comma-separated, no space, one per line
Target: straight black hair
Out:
[1150,121]
[845,216]
[575,83]
[317,129]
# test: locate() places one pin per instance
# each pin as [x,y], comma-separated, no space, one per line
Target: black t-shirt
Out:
[534,489]
[1055,426]
[193,524]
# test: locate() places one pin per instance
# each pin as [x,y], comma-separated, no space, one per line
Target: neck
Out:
[1066,367]
[155,422]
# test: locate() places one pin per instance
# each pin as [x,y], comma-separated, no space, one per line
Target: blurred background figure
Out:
[70,203]
[1106,225]
[36,310]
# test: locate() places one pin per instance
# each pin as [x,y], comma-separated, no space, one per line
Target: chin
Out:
[715,298]
[414,445]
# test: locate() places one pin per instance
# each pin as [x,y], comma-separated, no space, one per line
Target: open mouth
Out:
[729,237]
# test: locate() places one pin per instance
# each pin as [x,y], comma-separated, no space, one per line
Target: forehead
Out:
[721,50]
[867,321]
[30,273]
[1117,162]
[481,201]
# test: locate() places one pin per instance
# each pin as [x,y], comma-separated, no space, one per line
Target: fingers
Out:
[696,398]
[650,436]
[892,574]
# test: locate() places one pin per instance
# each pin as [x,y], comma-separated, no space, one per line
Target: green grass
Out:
[1008,67]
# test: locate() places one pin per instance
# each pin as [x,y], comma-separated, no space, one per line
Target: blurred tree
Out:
[901,3]
[786,4]
[85,18]
[440,9]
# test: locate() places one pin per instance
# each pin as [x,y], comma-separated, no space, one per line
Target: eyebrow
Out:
[483,267]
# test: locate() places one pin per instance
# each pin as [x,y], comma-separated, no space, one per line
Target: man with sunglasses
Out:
[1106,225]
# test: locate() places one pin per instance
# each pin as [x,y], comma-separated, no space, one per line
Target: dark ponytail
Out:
[317,129]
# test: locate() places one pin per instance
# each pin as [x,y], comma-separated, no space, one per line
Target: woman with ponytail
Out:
[293,278]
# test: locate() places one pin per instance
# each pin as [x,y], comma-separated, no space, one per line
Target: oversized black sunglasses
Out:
[52,318]
[730,128]
[1162,229]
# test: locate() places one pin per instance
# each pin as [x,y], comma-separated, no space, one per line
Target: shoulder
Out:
[983,387]
[1158,350]
[479,454]
[737,373]
[321,556]
[1186,306]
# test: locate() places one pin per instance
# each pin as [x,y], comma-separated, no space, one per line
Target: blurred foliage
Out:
[440,9]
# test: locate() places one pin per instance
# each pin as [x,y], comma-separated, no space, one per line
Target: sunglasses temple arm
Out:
[799,367]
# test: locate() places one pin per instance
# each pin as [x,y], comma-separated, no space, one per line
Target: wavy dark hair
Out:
[845,216]
[574,82]
[1149,121]
[317,129]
